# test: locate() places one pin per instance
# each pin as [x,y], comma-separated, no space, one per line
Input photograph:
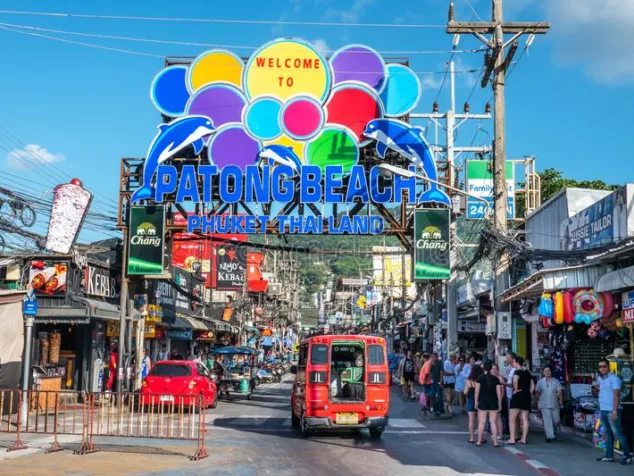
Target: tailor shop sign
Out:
[286,127]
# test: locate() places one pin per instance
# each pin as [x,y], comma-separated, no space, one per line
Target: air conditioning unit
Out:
[274,289]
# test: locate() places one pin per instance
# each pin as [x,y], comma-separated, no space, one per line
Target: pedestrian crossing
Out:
[269,422]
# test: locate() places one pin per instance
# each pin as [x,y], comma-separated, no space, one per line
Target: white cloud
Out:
[32,154]
[321,46]
[595,34]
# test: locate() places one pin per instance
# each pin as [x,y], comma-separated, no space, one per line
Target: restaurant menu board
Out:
[48,278]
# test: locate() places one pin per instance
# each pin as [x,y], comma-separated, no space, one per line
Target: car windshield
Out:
[167,370]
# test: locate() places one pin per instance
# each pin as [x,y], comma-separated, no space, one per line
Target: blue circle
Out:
[261,118]
[401,91]
[168,91]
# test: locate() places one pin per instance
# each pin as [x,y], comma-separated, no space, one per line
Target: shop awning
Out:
[266,341]
[616,280]
[101,309]
[556,279]
[187,322]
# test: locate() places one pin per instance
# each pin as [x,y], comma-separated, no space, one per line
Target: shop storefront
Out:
[75,306]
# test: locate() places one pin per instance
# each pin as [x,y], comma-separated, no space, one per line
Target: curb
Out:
[536,465]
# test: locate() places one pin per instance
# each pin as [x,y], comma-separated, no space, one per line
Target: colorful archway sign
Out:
[286,68]
[213,66]
[168,91]
[335,145]
[401,92]
[354,105]
[287,127]
[359,63]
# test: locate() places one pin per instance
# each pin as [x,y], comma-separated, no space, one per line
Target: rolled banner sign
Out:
[569,313]
[608,303]
[558,304]
[588,306]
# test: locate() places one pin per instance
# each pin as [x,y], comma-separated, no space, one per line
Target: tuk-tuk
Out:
[239,378]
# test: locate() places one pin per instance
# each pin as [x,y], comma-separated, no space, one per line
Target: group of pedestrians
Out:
[503,402]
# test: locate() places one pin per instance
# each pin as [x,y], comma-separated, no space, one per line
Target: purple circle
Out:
[232,145]
[358,63]
[221,102]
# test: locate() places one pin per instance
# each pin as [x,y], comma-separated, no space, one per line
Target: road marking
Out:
[287,422]
[404,423]
[536,464]
[515,451]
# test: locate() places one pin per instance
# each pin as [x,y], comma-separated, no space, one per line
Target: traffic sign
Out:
[29,308]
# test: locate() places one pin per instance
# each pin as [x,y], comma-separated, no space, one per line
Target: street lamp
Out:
[409,174]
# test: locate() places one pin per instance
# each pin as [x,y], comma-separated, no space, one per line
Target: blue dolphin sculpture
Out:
[409,142]
[171,139]
[279,154]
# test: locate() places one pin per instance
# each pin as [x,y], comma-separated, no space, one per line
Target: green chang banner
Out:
[431,242]
[146,240]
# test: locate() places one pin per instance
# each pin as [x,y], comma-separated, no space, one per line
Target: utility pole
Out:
[497,62]
[450,121]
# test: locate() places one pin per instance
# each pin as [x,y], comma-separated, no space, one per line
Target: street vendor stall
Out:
[240,374]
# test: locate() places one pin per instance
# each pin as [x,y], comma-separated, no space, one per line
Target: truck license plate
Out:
[347,419]
[166,398]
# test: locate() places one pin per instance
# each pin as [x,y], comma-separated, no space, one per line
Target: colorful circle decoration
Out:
[213,66]
[286,68]
[287,95]
[261,118]
[221,102]
[354,105]
[302,117]
[168,91]
[231,145]
[334,146]
[359,63]
[401,91]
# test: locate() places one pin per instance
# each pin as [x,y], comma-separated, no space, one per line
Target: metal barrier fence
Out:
[90,415]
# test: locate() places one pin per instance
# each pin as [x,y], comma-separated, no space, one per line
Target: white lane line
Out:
[536,464]
[404,423]
[510,449]
[287,422]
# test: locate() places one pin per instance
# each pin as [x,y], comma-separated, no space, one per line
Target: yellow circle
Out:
[285,68]
[286,141]
[213,66]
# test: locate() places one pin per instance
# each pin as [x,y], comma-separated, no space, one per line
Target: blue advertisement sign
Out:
[602,223]
[179,334]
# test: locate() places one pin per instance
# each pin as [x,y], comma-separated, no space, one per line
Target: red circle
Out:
[353,107]
[302,118]
[76,181]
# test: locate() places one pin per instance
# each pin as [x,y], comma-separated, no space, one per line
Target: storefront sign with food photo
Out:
[48,278]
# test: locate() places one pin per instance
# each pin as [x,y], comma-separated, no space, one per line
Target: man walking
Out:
[549,400]
[510,359]
[609,395]
[436,384]
[449,383]
[409,368]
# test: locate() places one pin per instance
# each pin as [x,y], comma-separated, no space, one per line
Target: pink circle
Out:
[302,118]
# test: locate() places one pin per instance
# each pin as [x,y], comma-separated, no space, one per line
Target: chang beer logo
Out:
[145,235]
[431,239]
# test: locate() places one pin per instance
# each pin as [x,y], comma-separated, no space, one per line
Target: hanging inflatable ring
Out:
[588,306]
[608,304]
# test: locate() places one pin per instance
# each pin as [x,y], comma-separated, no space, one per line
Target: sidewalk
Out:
[569,455]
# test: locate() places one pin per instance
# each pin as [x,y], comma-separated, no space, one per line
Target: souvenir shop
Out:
[571,329]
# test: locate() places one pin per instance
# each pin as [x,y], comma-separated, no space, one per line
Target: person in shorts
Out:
[449,382]
[409,375]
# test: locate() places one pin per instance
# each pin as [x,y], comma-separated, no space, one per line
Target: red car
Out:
[176,382]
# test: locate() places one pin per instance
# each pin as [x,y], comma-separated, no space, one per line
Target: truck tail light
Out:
[374,407]
[192,384]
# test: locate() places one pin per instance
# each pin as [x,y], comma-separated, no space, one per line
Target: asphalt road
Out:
[255,437]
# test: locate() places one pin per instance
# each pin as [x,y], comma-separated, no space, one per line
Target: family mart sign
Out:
[480,184]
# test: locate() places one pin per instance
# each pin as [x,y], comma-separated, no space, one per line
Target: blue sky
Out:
[569,99]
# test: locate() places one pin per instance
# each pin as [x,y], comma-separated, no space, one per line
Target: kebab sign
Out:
[286,126]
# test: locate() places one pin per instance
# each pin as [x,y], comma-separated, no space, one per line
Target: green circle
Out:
[333,147]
